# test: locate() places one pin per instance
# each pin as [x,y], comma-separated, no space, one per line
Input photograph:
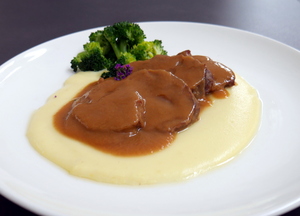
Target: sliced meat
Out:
[102,108]
[185,53]
[190,70]
[147,99]
[170,104]
[222,76]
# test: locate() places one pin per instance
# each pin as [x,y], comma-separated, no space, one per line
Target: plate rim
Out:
[20,201]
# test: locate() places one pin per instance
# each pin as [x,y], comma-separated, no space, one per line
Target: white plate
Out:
[264,179]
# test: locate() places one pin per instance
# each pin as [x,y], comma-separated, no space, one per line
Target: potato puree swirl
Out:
[223,131]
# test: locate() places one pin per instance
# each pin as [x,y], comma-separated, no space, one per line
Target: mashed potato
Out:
[222,132]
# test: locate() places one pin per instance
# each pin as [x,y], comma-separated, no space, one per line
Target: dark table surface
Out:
[26,23]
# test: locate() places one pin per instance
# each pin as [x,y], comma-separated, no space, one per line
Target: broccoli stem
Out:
[123,46]
[119,48]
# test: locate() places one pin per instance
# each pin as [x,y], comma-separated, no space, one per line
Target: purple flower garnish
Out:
[122,71]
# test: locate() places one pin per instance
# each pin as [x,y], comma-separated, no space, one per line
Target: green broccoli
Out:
[91,59]
[121,43]
[123,36]
[99,37]
[126,58]
[148,49]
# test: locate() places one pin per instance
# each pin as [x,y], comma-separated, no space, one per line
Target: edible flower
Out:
[122,71]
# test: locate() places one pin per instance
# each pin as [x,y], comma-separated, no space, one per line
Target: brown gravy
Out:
[143,113]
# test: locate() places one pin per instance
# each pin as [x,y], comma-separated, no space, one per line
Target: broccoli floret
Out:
[148,49]
[123,36]
[99,37]
[120,43]
[126,58]
[91,59]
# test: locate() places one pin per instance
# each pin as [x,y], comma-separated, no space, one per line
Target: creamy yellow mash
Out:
[222,132]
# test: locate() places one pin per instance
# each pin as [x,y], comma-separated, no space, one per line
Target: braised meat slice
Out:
[170,104]
[147,99]
[187,68]
[220,76]
[102,108]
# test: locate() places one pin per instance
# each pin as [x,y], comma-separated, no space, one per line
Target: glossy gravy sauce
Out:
[224,130]
[143,113]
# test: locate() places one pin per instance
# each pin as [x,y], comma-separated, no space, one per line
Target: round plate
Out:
[263,179]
